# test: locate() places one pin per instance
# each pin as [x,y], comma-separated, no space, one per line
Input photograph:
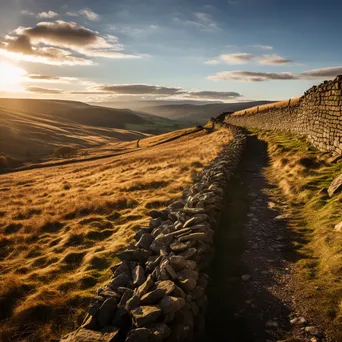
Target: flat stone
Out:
[245,277]
[177,262]
[127,254]
[178,246]
[189,253]
[132,303]
[152,297]
[193,221]
[167,286]
[187,284]
[143,315]
[161,242]
[138,335]
[138,276]
[125,297]
[171,304]
[122,267]
[119,281]
[106,311]
[85,335]
[335,186]
[145,241]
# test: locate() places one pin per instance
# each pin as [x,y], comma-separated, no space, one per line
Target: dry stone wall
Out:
[317,115]
[158,291]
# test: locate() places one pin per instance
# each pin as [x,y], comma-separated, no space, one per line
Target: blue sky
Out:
[106,50]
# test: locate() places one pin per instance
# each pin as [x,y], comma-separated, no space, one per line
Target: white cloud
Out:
[89,14]
[237,58]
[256,76]
[252,76]
[28,13]
[322,73]
[201,21]
[263,47]
[72,14]
[273,60]
[85,12]
[47,15]
[212,62]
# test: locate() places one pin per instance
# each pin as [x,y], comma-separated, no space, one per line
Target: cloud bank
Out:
[252,76]
[239,58]
[57,42]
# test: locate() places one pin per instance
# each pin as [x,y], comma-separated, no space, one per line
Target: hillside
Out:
[198,114]
[61,226]
[32,129]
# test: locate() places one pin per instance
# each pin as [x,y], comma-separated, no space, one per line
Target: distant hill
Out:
[198,114]
[31,128]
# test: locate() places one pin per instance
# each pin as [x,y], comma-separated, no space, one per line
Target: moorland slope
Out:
[61,226]
[31,129]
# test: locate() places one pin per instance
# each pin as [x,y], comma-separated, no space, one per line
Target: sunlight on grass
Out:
[61,227]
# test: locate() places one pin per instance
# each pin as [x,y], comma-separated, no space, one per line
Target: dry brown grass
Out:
[61,227]
[280,104]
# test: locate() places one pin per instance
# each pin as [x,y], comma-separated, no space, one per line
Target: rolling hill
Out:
[31,129]
[61,226]
[198,114]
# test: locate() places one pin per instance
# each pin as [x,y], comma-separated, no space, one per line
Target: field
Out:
[61,226]
[30,130]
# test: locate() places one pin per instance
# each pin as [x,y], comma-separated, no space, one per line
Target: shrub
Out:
[3,162]
[65,151]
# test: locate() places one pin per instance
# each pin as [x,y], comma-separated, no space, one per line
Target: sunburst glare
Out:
[11,77]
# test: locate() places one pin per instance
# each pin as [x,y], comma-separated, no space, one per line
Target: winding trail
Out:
[251,296]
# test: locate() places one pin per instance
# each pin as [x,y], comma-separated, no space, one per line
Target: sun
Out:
[10,76]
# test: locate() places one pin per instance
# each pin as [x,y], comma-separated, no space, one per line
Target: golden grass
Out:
[280,104]
[61,227]
[302,176]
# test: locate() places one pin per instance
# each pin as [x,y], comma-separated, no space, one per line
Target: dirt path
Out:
[251,296]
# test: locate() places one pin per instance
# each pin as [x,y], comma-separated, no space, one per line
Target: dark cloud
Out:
[44,90]
[152,90]
[43,77]
[139,89]
[251,76]
[62,33]
[322,73]
[50,42]
[213,94]
[21,44]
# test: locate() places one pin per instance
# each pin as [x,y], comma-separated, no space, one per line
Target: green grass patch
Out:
[302,175]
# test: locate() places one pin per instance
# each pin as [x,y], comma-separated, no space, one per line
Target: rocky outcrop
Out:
[317,115]
[158,291]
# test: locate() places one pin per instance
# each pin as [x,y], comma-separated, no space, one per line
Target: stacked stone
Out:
[317,116]
[157,292]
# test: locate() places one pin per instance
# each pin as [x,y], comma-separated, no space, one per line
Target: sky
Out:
[127,50]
